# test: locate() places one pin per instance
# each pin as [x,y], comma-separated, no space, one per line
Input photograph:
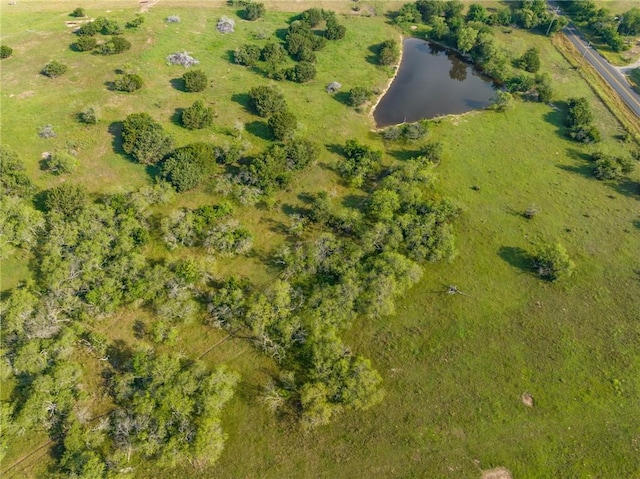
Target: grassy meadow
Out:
[454,366]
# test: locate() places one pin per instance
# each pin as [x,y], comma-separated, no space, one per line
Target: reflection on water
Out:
[432,81]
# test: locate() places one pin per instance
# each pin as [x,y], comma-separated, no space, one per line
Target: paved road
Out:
[611,74]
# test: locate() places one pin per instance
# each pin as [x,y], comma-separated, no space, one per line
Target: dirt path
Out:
[145,5]
[11,471]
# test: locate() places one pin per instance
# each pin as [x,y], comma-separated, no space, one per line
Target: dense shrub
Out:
[530,60]
[197,116]
[186,167]
[552,262]
[358,95]
[266,100]
[54,69]
[114,46]
[128,82]
[579,121]
[247,55]
[253,10]
[313,17]
[78,13]
[145,139]
[300,37]
[543,87]
[282,124]
[302,72]
[136,22]
[13,178]
[84,43]
[66,198]
[88,29]
[334,30]
[111,27]
[361,163]
[88,116]
[388,53]
[195,80]
[610,167]
[61,162]
[5,52]
[273,53]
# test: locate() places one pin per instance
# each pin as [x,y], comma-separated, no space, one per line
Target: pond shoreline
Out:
[388,85]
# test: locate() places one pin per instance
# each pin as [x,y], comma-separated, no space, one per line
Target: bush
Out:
[312,17]
[282,124]
[195,80]
[302,72]
[111,27]
[552,262]
[78,13]
[225,25]
[61,162]
[388,53]
[334,30]
[88,29]
[609,167]
[266,100]
[128,82]
[114,46]
[84,44]
[530,61]
[145,139]
[54,69]
[136,22]
[503,101]
[88,116]
[579,121]
[543,88]
[187,167]
[247,55]
[197,116]
[5,52]
[182,58]
[253,10]
[273,53]
[66,199]
[361,163]
[358,96]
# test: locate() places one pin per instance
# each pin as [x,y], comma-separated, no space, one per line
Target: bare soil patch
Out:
[497,473]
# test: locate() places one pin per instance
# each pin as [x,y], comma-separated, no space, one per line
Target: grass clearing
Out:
[454,366]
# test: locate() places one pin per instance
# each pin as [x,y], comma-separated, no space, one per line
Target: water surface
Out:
[432,82]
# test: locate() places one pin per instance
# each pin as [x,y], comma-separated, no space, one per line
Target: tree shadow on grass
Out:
[259,129]
[177,84]
[628,187]
[584,170]
[557,118]
[242,99]
[516,257]
[341,97]
[578,155]
[374,51]
[281,34]
[115,129]
[111,86]
[230,56]
[335,148]
[354,201]
[176,117]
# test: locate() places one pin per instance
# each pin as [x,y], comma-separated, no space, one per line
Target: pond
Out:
[431,82]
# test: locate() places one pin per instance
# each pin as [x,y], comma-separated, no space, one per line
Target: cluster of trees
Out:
[406,131]
[530,60]
[579,121]
[113,45]
[539,86]
[187,167]
[602,23]
[269,102]
[145,139]
[611,167]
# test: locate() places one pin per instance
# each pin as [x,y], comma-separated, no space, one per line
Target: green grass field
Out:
[454,366]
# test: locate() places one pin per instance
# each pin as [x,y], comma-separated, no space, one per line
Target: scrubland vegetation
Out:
[226,271]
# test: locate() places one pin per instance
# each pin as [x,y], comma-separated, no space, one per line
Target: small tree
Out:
[467,37]
[114,46]
[61,162]
[54,69]
[5,52]
[247,55]
[254,10]
[195,80]
[84,43]
[282,124]
[128,82]
[389,52]
[302,72]
[88,116]
[334,30]
[136,22]
[503,101]
[358,95]
[78,13]
[273,53]
[66,198]
[197,116]
[609,167]
[266,100]
[552,262]
[145,139]
[530,60]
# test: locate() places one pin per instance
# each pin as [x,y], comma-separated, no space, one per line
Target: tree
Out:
[66,198]
[84,43]
[579,121]
[503,101]
[13,178]
[530,60]
[361,163]
[54,69]
[388,53]
[186,167]
[136,22]
[61,162]
[552,262]
[334,30]
[128,82]
[313,17]
[282,124]
[302,72]
[197,116]
[466,39]
[195,80]
[630,22]
[247,55]
[5,52]
[383,204]
[114,46]
[253,10]
[543,88]
[477,13]
[145,139]
[610,167]
[273,53]
[78,13]
[266,100]
[358,95]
